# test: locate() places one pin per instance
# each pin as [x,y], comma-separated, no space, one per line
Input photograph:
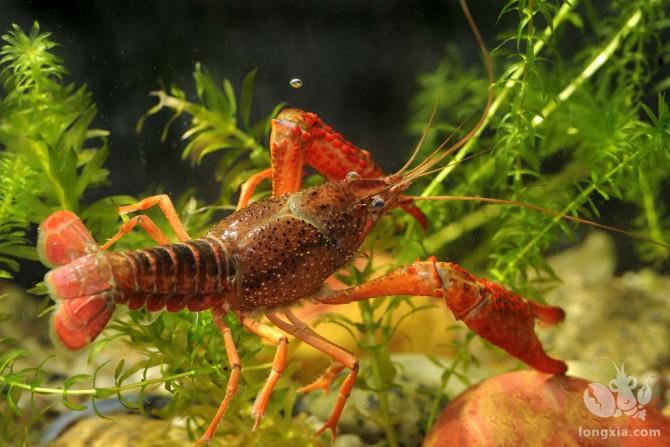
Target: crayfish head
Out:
[376,196]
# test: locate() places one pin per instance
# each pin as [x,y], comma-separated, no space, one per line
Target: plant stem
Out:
[581,198]
[375,364]
[95,391]
[593,66]
[650,212]
[455,230]
[501,97]
[438,399]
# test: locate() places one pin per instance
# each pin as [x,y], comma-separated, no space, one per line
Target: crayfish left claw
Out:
[505,319]
[508,321]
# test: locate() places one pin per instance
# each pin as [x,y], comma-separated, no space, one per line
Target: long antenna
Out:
[433,157]
[542,210]
[416,150]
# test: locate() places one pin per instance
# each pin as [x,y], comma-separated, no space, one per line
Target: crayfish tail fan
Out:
[78,321]
[62,238]
[80,284]
[84,292]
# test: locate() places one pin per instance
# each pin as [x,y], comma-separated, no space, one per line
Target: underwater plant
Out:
[45,164]
[568,130]
[45,134]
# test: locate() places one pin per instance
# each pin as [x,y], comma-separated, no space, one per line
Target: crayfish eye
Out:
[353,176]
[377,203]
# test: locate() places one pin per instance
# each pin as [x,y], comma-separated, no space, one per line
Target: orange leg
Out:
[325,380]
[303,332]
[495,313]
[275,337]
[145,222]
[233,380]
[250,185]
[333,370]
[166,206]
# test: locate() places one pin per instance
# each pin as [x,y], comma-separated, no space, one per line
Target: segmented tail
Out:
[79,287]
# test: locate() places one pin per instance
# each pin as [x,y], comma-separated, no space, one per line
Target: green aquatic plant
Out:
[568,130]
[48,157]
[214,128]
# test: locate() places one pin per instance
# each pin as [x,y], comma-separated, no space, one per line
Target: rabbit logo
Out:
[617,398]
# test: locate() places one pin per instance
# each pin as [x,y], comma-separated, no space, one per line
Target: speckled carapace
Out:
[285,247]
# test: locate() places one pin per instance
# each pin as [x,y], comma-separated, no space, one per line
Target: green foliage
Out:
[14,218]
[214,128]
[45,163]
[569,130]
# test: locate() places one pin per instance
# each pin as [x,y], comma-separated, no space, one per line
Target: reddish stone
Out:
[529,408]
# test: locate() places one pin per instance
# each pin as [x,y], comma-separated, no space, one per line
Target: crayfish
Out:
[276,252]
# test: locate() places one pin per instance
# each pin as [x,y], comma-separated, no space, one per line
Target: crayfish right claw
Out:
[508,320]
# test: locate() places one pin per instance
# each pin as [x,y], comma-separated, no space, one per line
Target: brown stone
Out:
[528,408]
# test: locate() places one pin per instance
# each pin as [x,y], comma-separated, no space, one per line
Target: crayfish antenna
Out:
[438,154]
[424,134]
[543,210]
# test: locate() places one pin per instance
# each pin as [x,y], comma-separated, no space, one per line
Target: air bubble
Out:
[296,82]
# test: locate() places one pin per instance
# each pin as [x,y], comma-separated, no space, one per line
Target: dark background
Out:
[359,62]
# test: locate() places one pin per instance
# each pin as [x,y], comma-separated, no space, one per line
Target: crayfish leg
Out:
[325,380]
[145,222]
[271,335]
[302,332]
[167,208]
[493,312]
[233,379]
[250,186]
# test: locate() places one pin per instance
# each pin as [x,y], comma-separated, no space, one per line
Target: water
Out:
[374,74]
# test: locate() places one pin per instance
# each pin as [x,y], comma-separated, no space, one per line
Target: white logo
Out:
[601,401]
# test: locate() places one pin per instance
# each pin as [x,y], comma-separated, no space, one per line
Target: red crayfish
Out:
[276,252]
